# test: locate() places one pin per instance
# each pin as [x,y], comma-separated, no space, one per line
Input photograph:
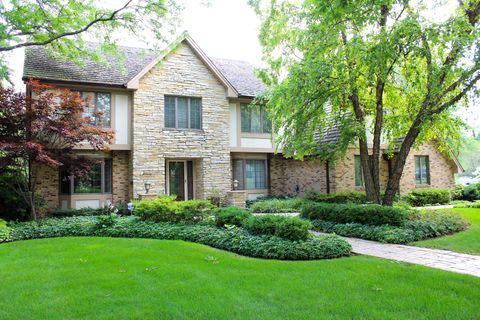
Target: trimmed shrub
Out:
[420,226]
[467,204]
[235,239]
[277,205]
[345,197]
[457,192]
[371,214]
[231,216]
[264,224]
[166,209]
[293,229]
[4,231]
[419,198]
[472,192]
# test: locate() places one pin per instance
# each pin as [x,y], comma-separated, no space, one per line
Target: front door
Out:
[180,179]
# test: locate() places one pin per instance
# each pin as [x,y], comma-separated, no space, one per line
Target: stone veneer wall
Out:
[287,174]
[181,73]
[47,185]
[442,169]
[121,177]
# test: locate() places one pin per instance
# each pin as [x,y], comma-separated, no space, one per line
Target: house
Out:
[183,126]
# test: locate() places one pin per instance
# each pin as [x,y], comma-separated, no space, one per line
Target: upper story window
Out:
[183,112]
[254,119]
[422,170]
[359,182]
[98,108]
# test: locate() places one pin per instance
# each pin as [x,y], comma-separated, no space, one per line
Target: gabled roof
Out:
[237,76]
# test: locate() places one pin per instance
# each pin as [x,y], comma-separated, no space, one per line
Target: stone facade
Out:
[292,177]
[237,198]
[181,73]
[121,177]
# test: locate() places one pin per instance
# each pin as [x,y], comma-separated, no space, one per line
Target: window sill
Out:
[184,130]
[423,186]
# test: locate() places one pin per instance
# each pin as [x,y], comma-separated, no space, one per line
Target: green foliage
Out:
[166,209]
[371,214]
[5,231]
[234,239]
[472,192]
[344,197]
[276,205]
[293,229]
[231,216]
[284,227]
[60,213]
[457,192]
[468,204]
[419,198]
[105,221]
[469,155]
[13,207]
[419,226]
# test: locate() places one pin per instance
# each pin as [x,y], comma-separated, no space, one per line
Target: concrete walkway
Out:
[434,258]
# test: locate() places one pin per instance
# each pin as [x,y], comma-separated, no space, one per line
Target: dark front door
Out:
[176,179]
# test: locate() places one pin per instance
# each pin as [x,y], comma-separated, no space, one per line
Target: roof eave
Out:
[74,82]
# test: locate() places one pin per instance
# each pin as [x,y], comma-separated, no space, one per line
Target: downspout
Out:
[327,170]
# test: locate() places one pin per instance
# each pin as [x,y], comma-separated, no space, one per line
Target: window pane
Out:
[103,107]
[245,117]
[182,113]
[89,109]
[169,112]
[267,123]
[256,120]
[195,113]
[238,173]
[358,172]
[91,182]
[255,174]
[108,176]
[64,182]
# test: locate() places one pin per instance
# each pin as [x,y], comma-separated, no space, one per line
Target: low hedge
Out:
[233,239]
[284,227]
[344,197]
[420,226]
[166,209]
[277,205]
[231,216]
[467,204]
[420,198]
[62,213]
[370,214]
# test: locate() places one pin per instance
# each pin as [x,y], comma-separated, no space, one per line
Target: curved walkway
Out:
[434,258]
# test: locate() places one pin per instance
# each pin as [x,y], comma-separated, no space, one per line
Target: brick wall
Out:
[287,174]
[47,183]
[120,177]
[181,73]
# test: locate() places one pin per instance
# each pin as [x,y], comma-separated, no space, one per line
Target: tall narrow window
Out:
[183,112]
[359,182]
[254,119]
[422,170]
[97,108]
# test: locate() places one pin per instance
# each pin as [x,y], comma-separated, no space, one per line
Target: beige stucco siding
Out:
[181,73]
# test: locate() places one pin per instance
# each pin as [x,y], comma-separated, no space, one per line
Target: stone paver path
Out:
[434,258]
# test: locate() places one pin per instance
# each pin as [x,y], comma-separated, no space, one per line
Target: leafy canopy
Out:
[319,51]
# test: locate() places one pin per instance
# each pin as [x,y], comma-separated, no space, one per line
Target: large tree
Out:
[378,71]
[42,129]
[61,25]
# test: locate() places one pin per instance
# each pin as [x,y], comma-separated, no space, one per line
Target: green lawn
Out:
[466,241]
[105,278]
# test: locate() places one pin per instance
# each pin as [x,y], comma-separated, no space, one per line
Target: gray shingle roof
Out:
[39,64]
[241,76]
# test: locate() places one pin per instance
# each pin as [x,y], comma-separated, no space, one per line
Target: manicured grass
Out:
[466,241]
[111,278]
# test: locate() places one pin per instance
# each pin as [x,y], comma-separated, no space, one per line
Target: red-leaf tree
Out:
[42,128]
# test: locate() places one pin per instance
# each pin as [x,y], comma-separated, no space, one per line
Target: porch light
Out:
[147,186]
[235,184]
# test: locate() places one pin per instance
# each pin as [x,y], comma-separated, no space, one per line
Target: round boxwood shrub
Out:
[231,216]
[293,229]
